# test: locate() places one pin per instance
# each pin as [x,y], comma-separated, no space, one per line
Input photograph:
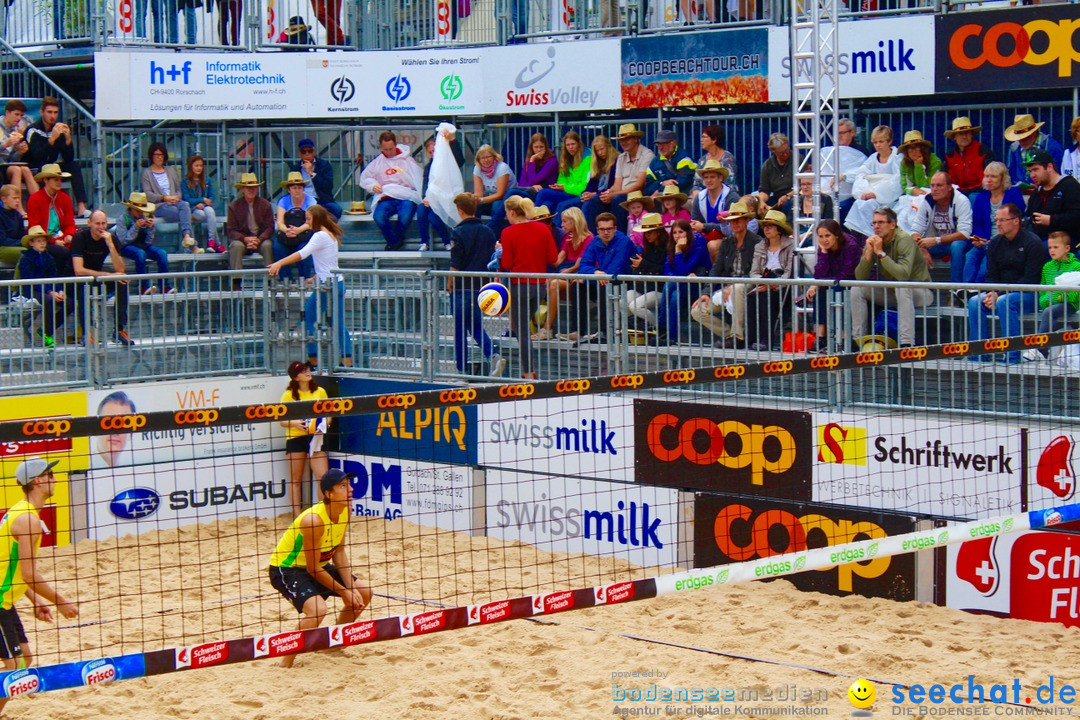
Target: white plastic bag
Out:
[444,180]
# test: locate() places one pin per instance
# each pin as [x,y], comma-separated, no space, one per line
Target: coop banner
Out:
[727,67]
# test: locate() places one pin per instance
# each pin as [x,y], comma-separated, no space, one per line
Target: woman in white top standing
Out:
[162,187]
[322,248]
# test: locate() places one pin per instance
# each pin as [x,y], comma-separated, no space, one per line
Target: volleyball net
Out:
[475,504]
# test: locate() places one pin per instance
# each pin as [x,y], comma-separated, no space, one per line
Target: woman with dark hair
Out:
[162,187]
[837,256]
[572,179]
[300,433]
[540,169]
[322,248]
[199,196]
[687,256]
[712,142]
[918,164]
[644,297]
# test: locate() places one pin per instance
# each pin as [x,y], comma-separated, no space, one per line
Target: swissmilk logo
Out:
[398,88]
[451,87]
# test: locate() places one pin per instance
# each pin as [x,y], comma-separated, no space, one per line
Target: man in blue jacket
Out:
[606,256]
[671,166]
[321,174]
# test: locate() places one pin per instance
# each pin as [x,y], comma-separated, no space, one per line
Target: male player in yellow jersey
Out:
[300,568]
[20,539]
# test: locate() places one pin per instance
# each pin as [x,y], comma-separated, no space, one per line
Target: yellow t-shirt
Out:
[290,548]
[319,394]
[12,586]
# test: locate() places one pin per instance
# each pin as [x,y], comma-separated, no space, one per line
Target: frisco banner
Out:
[429,83]
[725,67]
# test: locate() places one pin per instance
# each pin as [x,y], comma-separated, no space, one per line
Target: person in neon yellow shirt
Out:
[309,563]
[20,539]
[299,433]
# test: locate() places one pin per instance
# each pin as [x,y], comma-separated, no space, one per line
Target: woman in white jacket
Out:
[875,183]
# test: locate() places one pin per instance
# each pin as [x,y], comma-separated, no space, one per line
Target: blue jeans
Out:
[468,321]
[305,268]
[178,213]
[426,219]
[384,210]
[333,208]
[557,201]
[139,253]
[595,206]
[674,308]
[317,303]
[189,24]
[1009,307]
[519,17]
[497,211]
[957,252]
[975,265]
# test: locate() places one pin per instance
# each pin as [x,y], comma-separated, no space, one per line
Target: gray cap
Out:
[31,468]
[666,136]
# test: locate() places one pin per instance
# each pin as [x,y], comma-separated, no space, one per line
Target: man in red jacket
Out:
[52,209]
[966,161]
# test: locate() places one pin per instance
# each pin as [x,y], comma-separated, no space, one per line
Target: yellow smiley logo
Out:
[862,693]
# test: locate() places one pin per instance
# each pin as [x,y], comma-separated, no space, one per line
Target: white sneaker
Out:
[423,247]
[188,241]
[498,366]
[1032,355]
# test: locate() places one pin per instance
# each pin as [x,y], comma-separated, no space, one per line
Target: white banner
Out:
[917,464]
[582,75]
[878,58]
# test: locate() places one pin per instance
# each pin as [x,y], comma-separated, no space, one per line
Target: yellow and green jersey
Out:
[290,548]
[12,586]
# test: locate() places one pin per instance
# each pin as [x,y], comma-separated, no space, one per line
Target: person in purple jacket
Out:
[540,169]
[607,258]
[837,256]
[687,256]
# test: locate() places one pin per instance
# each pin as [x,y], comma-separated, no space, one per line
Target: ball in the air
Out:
[493,299]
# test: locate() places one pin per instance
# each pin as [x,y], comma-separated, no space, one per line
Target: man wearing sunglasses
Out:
[321,174]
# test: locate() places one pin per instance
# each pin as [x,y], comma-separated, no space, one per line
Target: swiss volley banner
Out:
[727,67]
[1014,49]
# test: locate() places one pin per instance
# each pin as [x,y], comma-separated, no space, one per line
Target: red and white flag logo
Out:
[1055,471]
[976,564]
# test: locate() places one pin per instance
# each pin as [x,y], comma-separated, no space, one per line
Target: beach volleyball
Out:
[493,299]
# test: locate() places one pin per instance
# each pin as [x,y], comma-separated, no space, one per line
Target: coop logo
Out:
[973,45]
[729,371]
[728,533]
[627,381]
[977,565]
[324,407]
[569,386]
[457,396]
[782,367]
[1036,340]
[22,682]
[98,672]
[342,89]
[398,89]
[679,376]
[1070,335]
[840,444]
[1054,470]
[158,73]
[955,349]
[913,353]
[196,417]
[824,363]
[265,412]
[996,344]
[668,446]
[519,391]
[122,422]
[869,358]
[56,428]
[527,91]
[134,503]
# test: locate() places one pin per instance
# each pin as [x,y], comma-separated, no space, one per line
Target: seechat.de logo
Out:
[337,405]
[265,412]
[523,390]
[134,503]
[568,386]
[465,395]
[398,88]
[391,401]
[451,87]
[55,428]
[122,422]
[627,381]
[342,89]
[196,417]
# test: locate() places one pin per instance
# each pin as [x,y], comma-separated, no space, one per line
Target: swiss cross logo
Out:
[1055,470]
[976,564]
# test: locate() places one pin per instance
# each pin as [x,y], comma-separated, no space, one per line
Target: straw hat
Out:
[357,208]
[876,343]
[297,25]
[541,212]
[247,180]
[138,201]
[34,232]
[636,196]
[739,210]
[713,166]
[650,221]
[51,170]
[777,218]
[962,124]
[628,130]
[294,178]
[672,191]
[912,138]
[1023,125]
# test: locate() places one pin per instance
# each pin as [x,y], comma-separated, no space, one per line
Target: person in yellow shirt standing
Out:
[300,434]
[309,564]
[20,538]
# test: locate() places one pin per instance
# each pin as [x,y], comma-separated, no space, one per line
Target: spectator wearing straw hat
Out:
[765,304]
[775,187]
[249,224]
[320,174]
[968,158]
[37,264]
[671,167]
[51,208]
[293,231]
[636,206]
[918,163]
[1054,205]
[734,258]
[671,205]
[631,170]
[1025,136]
[135,234]
[298,33]
[708,212]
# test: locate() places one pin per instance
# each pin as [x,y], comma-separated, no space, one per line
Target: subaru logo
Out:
[451,87]
[342,89]
[134,503]
[398,88]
